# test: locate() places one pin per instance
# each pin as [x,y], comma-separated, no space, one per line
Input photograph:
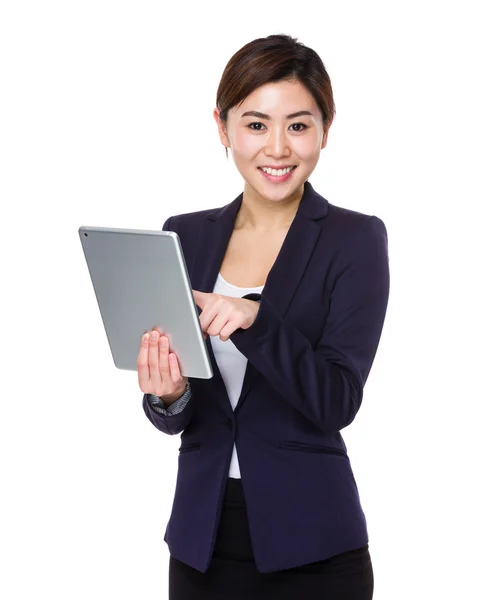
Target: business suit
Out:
[309,354]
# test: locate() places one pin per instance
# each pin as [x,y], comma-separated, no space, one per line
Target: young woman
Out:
[293,293]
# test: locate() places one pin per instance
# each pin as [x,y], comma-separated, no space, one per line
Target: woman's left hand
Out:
[222,315]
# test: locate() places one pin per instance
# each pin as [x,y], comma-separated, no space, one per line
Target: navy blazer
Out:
[309,351]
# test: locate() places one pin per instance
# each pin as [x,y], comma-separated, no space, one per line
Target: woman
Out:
[293,293]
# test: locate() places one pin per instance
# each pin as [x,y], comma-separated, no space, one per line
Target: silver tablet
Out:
[141,281]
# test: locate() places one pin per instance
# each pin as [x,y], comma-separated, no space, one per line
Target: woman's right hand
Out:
[158,368]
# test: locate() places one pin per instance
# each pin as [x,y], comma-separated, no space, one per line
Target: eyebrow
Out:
[259,115]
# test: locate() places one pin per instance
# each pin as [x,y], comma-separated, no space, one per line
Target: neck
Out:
[262,216]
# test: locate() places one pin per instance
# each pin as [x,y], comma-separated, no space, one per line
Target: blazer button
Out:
[229,423]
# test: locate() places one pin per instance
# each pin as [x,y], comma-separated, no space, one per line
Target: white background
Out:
[106,119]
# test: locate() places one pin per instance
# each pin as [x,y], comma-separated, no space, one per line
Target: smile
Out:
[277,175]
[276,172]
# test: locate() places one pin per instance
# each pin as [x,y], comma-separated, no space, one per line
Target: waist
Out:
[233,494]
[234,541]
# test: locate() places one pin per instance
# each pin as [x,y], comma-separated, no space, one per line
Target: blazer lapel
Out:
[284,276]
[214,236]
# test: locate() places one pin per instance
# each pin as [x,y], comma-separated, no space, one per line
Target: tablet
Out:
[141,281]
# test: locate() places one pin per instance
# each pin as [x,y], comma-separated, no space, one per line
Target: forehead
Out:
[280,97]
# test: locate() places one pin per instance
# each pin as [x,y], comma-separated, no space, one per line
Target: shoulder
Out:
[340,223]
[353,234]
[180,220]
[353,221]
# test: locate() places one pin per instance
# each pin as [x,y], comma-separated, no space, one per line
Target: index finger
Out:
[200,298]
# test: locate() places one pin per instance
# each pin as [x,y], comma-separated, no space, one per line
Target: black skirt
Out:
[232,574]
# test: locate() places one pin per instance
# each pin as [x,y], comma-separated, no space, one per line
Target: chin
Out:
[278,192]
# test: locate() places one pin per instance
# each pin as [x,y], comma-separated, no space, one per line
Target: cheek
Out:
[244,144]
[307,148]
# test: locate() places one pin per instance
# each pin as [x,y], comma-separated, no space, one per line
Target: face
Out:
[276,136]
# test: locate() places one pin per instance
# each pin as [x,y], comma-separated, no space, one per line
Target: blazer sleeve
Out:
[175,418]
[170,422]
[326,383]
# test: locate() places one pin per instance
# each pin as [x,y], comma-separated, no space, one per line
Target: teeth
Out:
[277,172]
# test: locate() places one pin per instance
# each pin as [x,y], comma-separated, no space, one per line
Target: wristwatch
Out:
[253,296]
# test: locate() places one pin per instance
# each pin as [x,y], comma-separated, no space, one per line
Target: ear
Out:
[324,139]
[223,136]
[325,135]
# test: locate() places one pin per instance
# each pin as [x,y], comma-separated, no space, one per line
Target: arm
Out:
[326,383]
[172,419]
[172,409]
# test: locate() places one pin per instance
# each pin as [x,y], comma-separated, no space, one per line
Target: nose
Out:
[277,143]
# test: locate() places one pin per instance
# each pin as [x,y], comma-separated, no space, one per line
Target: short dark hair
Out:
[270,59]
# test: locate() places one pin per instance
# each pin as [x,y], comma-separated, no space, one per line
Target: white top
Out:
[231,362]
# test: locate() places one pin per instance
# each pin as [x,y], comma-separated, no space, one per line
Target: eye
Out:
[301,127]
[256,126]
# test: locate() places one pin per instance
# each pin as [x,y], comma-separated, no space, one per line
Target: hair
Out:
[270,59]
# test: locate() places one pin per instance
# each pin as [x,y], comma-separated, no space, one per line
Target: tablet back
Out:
[141,281]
